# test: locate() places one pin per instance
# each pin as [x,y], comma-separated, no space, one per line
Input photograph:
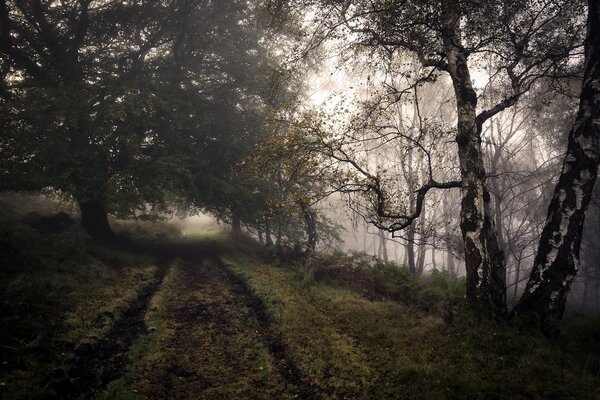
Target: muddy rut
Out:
[215,342]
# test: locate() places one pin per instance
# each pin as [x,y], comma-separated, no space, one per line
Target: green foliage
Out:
[138,108]
[378,280]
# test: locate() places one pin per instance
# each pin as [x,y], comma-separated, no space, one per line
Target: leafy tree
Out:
[124,106]
[527,42]
[298,180]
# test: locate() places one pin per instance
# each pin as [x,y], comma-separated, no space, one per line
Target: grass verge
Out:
[352,345]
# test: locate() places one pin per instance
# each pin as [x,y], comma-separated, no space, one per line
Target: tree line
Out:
[132,109]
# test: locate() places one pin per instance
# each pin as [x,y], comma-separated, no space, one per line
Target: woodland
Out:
[314,199]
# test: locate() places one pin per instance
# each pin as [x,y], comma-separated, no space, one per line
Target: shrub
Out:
[378,280]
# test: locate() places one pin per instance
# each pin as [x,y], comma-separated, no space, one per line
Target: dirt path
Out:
[215,341]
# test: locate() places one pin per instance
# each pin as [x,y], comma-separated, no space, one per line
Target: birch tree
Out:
[528,40]
[557,260]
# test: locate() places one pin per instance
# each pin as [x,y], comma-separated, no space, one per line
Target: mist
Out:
[299,199]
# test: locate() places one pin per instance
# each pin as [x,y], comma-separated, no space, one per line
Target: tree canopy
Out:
[128,107]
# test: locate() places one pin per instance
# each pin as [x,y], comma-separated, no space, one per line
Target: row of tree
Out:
[519,48]
[132,109]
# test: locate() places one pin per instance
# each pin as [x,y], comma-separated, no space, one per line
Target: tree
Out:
[68,68]
[557,260]
[528,41]
[122,105]
[298,181]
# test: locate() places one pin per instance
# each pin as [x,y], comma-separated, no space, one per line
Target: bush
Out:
[379,280]
[440,291]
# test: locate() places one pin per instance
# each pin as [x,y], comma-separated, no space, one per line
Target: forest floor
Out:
[210,318]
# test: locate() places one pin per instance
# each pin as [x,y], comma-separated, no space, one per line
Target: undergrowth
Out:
[363,329]
[58,290]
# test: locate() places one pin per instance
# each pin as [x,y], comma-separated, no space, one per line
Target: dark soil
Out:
[91,367]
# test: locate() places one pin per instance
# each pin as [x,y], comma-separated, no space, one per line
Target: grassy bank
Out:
[354,342]
[61,294]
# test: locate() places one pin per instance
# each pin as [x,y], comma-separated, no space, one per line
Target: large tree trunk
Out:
[94,219]
[484,260]
[557,260]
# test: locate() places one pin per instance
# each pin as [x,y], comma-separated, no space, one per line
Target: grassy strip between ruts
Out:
[146,349]
[203,342]
[355,348]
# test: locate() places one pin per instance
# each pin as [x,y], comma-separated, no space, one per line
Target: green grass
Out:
[202,342]
[58,291]
[353,345]
[146,349]
[331,360]
[352,327]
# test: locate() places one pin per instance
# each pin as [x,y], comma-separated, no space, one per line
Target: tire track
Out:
[220,343]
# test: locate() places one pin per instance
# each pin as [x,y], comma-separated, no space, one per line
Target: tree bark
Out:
[268,238]
[421,252]
[383,246]
[450,264]
[94,219]
[310,219]
[365,238]
[410,250]
[517,274]
[557,259]
[484,260]
[260,234]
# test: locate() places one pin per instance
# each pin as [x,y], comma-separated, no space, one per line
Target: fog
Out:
[314,199]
